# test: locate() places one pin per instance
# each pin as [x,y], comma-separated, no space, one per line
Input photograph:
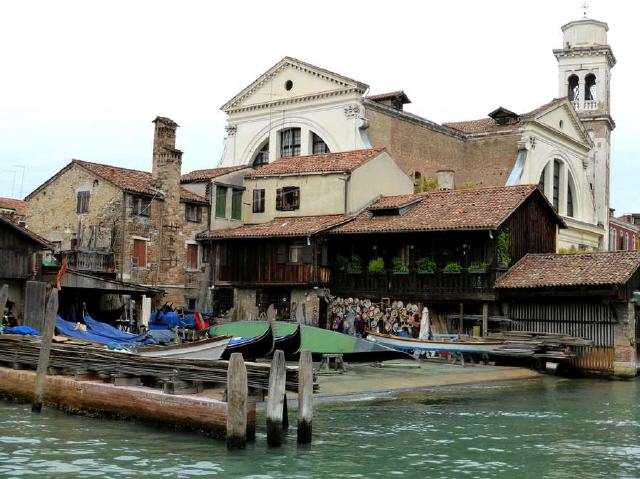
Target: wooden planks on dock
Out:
[80,358]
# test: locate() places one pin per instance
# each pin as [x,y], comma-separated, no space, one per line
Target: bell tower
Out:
[584,65]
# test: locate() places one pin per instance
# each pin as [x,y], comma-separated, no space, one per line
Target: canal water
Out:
[552,428]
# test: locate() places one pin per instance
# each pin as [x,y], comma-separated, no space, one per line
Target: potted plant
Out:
[478,268]
[399,267]
[502,250]
[354,265]
[426,266]
[341,263]
[452,267]
[376,266]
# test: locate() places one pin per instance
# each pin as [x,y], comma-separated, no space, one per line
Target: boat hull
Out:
[205,349]
[409,344]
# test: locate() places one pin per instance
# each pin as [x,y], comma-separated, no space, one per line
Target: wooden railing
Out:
[90,261]
[414,285]
[271,274]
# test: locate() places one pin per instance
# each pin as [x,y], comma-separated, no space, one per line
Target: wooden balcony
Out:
[90,261]
[414,286]
[273,274]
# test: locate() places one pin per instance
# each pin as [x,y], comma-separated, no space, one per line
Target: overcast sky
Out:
[84,79]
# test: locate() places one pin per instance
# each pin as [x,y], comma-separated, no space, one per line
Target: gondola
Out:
[289,344]
[252,347]
[462,345]
[210,349]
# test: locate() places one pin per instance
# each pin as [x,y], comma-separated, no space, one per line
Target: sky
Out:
[84,79]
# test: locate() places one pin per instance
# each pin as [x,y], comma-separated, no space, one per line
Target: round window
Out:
[288,85]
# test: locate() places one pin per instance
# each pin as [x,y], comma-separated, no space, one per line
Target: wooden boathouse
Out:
[595,296]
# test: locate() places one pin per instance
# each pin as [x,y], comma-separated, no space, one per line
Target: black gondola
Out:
[252,348]
[290,344]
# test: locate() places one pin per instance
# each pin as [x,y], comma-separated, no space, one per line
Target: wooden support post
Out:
[237,392]
[485,319]
[275,407]
[49,323]
[461,324]
[4,296]
[34,303]
[305,397]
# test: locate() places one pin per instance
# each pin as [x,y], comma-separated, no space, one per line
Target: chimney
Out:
[164,143]
[445,179]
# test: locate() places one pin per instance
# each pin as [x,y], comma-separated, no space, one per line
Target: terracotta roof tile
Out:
[209,174]
[487,125]
[479,208]
[388,96]
[136,181]
[19,206]
[341,162]
[563,270]
[279,227]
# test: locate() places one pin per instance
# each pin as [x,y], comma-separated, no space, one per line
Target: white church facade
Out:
[298,109]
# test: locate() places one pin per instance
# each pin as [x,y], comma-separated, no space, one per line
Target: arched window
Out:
[290,142]
[556,184]
[573,90]
[262,157]
[570,194]
[319,146]
[590,87]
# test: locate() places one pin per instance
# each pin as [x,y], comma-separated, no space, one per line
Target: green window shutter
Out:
[236,204]
[221,201]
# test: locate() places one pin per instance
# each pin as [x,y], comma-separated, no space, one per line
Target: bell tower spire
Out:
[584,66]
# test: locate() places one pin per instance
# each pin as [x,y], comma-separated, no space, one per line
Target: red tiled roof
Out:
[135,181]
[486,125]
[19,206]
[209,174]
[479,208]
[279,227]
[387,96]
[341,162]
[562,270]
[30,234]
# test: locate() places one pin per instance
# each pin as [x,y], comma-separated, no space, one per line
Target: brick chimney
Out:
[164,140]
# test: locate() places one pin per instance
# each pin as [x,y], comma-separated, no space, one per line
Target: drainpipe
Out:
[346,179]
[124,222]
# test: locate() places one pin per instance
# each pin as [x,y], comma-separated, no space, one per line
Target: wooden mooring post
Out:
[275,401]
[305,397]
[237,392]
[49,324]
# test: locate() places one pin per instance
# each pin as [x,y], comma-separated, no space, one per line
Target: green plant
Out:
[478,266]
[354,264]
[426,265]
[376,266]
[425,184]
[452,268]
[469,185]
[341,263]
[399,266]
[502,248]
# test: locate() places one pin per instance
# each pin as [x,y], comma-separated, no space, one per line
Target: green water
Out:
[545,429]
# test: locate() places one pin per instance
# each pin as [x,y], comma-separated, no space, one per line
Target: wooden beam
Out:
[34,304]
[45,348]
[237,392]
[4,296]
[485,319]
[305,397]
[275,401]
[461,321]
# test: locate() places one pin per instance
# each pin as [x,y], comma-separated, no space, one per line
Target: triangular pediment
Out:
[562,118]
[291,80]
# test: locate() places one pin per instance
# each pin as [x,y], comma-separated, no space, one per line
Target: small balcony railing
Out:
[587,105]
[413,285]
[89,261]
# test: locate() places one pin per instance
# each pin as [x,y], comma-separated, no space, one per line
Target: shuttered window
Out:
[140,206]
[258,201]
[82,201]
[288,198]
[193,213]
[139,257]
[221,201]
[192,256]
[236,204]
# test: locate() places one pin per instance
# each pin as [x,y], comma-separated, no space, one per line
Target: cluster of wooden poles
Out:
[277,414]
